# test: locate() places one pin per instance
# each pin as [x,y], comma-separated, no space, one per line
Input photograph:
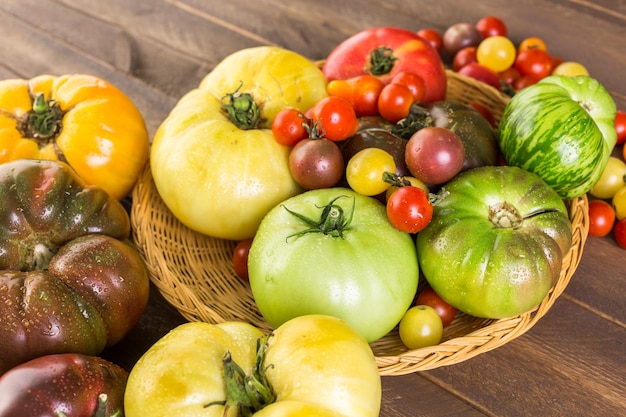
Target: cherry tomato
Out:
[409,210]
[535,62]
[525,81]
[532,43]
[316,163]
[395,102]
[420,327]
[240,258]
[620,127]
[619,203]
[570,68]
[460,35]
[434,155]
[491,26]
[509,75]
[481,73]
[288,127]
[496,52]
[601,218]
[433,37]
[335,118]
[620,233]
[485,112]
[361,91]
[413,81]
[612,179]
[464,57]
[429,297]
[366,168]
[409,181]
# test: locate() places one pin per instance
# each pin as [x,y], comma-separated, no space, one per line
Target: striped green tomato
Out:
[561,129]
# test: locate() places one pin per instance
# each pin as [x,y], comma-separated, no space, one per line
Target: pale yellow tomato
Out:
[570,68]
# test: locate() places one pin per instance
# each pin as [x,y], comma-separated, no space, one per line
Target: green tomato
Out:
[496,242]
[333,251]
[420,326]
[562,129]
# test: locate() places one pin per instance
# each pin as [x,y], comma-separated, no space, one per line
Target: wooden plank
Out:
[569,364]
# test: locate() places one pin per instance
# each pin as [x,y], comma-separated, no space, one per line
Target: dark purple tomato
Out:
[434,155]
[63,385]
[459,36]
[316,163]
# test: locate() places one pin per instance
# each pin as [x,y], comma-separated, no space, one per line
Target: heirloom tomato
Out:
[496,242]
[79,119]
[214,159]
[562,129]
[69,279]
[333,251]
[312,365]
[65,384]
[384,52]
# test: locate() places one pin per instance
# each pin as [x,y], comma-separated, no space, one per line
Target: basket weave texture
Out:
[194,272]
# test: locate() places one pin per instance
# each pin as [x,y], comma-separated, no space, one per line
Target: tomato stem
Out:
[242,110]
[43,122]
[332,220]
[418,118]
[381,61]
[504,215]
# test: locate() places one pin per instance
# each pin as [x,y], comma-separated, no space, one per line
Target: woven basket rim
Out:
[156,232]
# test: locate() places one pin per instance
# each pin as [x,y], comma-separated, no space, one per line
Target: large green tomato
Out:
[214,159]
[496,242]
[310,366]
[333,251]
[562,129]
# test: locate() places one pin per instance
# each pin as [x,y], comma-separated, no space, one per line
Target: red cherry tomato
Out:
[485,112]
[481,73]
[409,210]
[416,84]
[395,102]
[429,297]
[620,233]
[620,126]
[535,62]
[334,118]
[361,91]
[601,218]
[524,81]
[491,26]
[465,56]
[240,258]
[433,37]
[288,127]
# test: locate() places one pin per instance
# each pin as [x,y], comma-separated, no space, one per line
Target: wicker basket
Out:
[195,274]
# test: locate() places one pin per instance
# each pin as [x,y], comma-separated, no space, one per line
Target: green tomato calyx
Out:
[43,122]
[332,220]
[247,393]
[242,110]
[381,61]
[418,118]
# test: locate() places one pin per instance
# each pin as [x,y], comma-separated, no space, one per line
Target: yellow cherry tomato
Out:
[365,170]
[570,68]
[496,52]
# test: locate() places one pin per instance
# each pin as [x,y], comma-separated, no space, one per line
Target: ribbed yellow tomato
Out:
[214,159]
[79,119]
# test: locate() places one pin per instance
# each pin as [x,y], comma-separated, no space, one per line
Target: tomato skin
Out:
[459,36]
[535,62]
[361,91]
[92,112]
[481,73]
[68,382]
[327,274]
[289,127]
[435,155]
[429,297]
[352,57]
[335,118]
[316,163]
[620,233]
[433,37]
[612,179]
[409,210]
[240,258]
[619,203]
[413,81]
[532,43]
[601,218]
[620,126]
[395,102]
[463,57]
[420,327]
[365,170]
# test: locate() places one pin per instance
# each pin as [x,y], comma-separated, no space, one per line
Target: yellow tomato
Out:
[79,119]
[220,172]
[570,68]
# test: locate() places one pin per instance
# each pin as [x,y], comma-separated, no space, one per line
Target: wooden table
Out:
[571,363]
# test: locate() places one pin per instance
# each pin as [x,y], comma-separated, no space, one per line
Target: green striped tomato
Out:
[561,129]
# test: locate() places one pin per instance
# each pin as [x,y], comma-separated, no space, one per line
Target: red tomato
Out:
[416,84]
[620,233]
[384,52]
[485,112]
[620,126]
[433,37]
[361,91]
[509,75]
[409,210]
[481,73]
[601,218]
[524,81]
[535,62]
[395,102]
[429,297]
[465,56]
[240,258]
[334,118]
[288,127]
[491,26]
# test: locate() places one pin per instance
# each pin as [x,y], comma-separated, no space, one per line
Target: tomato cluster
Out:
[484,51]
